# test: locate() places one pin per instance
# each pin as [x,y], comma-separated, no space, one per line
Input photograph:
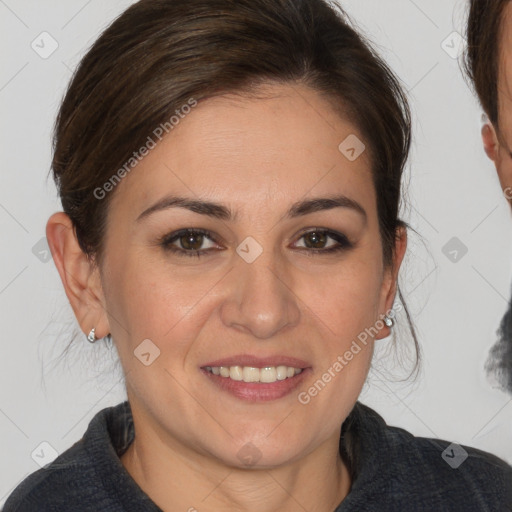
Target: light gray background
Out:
[453,191]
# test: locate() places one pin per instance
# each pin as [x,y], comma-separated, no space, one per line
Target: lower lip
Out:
[257,391]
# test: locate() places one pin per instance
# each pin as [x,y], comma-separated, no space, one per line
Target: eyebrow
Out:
[222,212]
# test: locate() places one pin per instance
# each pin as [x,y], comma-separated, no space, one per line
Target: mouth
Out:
[267,374]
[257,379]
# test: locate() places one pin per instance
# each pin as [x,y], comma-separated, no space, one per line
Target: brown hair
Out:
[482,53]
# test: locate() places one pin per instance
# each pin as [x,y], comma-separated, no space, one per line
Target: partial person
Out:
[488,63]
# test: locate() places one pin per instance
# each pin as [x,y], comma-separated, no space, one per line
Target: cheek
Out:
[504,168]
[351,294]
[344,307]
[345,312]
[350,305]
[149,299]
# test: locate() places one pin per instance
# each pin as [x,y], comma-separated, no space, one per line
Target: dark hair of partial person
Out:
[483,33]
[160,53]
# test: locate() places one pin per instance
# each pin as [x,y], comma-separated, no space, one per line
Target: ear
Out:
[490,140]
[389,285]
[79,275]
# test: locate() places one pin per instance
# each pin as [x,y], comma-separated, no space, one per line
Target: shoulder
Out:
[437,472]
[74,477]
[52,487]
[450,466]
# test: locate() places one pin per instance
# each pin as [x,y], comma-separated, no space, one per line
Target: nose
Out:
[260,299]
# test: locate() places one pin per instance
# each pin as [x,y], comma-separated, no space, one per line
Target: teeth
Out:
[250,374]
[281,372]
[236,373]
[268,374]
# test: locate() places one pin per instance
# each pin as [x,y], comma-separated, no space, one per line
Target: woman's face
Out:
[282,280]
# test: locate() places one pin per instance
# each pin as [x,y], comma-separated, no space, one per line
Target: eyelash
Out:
[167,241]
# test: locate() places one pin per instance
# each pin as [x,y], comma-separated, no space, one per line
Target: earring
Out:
[389,321]
[91,337]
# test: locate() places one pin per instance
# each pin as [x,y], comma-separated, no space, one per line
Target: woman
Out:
[230,177]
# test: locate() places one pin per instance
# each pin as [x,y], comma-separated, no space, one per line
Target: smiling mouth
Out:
[267,374]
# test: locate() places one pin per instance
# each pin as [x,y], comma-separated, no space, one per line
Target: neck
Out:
[176,478]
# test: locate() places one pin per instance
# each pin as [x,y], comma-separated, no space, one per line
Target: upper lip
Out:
[258,362]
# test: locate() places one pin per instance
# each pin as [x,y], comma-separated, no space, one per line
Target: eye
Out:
[188,242]
[317,240]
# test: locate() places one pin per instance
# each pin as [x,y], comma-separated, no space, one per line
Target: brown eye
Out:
[189,242]
[323,241]
[315,239]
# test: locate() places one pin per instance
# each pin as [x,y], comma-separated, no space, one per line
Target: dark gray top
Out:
[392,471]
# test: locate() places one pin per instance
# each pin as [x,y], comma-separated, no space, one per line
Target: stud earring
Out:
[388,321]
[91,337]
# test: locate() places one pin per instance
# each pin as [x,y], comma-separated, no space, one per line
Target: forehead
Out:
[282,144]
